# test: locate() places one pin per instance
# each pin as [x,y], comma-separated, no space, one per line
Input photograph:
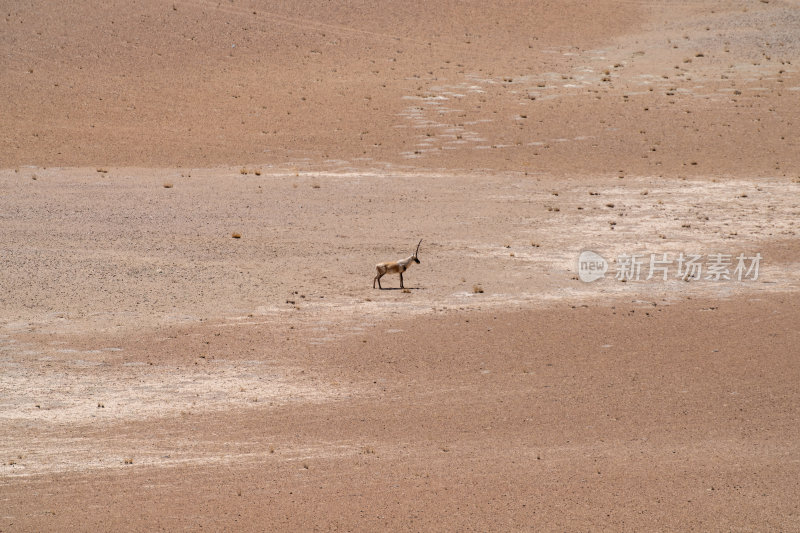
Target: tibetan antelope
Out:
[395,267]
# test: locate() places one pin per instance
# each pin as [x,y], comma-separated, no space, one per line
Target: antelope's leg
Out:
[401,280]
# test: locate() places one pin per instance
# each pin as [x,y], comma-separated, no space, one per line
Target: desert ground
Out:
[193,198]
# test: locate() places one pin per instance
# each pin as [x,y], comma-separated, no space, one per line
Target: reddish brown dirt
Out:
[156,372]
[626,417]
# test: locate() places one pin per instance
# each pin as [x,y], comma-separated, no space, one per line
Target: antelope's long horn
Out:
[417,252]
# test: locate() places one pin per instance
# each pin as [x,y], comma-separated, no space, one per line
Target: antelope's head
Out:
[416,260]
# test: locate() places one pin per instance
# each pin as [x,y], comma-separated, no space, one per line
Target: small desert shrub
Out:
[477,289]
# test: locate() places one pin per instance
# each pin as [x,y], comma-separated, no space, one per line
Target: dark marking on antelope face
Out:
[416,260]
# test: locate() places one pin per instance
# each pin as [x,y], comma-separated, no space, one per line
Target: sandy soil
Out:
[158,372]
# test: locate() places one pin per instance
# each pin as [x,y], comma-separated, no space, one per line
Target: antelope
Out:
[392,267]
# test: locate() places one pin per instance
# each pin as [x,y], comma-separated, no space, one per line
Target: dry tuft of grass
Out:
[477,289]
[102,170]
[127,461]
[407,291]
[236,235]
[167,185]
[315,186]
[243,171]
